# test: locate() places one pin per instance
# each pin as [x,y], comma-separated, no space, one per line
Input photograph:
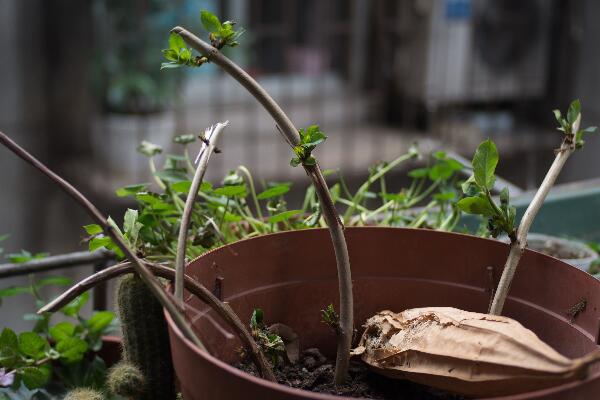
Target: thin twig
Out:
[517,246]
[330,214]
[194,287]
[211,136]
[108,229]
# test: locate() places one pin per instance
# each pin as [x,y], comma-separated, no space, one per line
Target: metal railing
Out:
[99,259]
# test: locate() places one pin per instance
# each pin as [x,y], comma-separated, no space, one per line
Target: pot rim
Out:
[217,363]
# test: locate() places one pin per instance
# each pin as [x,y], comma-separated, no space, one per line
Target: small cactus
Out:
[84,394]
[125,379]
[145,338]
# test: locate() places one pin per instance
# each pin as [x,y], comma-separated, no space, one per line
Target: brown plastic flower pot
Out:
[292,275]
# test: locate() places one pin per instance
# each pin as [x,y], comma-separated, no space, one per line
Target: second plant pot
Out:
[292,276]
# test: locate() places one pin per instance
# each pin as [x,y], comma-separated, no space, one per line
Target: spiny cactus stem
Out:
[212,136]
[97,216]
[194,287]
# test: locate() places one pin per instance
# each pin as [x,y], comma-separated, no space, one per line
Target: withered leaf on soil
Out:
[465,352]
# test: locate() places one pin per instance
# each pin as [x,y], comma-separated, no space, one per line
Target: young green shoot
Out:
[272,344]
[330,318]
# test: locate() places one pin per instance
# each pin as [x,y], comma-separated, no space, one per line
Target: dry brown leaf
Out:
[464,352]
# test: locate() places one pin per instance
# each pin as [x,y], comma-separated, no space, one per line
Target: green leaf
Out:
[294,162]
[13,291]
[171,55]
[35,377]
[149,149]
[99,242]
[230,217]
[454,165]
[72,349]
[573,112]
[312,136]
[557,115]
[184,187]
[131,190]
[114,225]
[274,191]
[300,151]
[310,160]
[149,198]
[443,170]
[283,216]
[32,345]
[72,309]
[181,187]
[8,339]
[440,155]
[231,191]
[171,175]
[54,281]
[504,196]
[256,320]
[176,42]
[419,173]
[469,187]
[131,226]
[184,139]
[93,229]
[100,320]
[590,129]
[445,196]
[476,205]
[169,65]
[25,256]
[484,164]
[62,331]
[397,197]
[210,21]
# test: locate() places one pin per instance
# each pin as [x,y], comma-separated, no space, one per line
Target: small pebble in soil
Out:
[314,372]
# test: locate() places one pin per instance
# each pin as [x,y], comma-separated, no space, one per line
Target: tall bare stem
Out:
[314,172]
[517,246]
[211,135]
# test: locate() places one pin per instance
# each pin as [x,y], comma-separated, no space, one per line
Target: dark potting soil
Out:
[314,372]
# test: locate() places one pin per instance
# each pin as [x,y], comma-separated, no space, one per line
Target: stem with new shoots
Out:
[314,172]
[517,246]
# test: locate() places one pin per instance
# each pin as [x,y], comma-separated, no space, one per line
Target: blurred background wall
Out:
[81,87]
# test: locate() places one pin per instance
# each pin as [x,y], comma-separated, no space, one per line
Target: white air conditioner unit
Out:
[457,51]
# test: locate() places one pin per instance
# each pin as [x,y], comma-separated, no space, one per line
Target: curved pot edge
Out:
[217,363]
